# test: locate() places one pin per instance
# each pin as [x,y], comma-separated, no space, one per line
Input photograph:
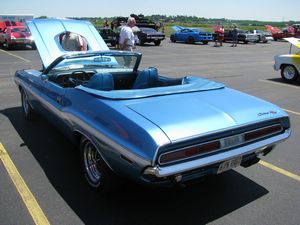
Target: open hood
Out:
[293,41]
[47,36]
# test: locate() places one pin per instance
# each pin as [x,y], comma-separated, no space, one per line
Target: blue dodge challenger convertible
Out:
[190,35]
[139,124]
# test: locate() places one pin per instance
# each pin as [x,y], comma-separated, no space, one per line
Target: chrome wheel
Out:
[28,111]
[97,173]
[25,104]
[289,73]
[92,161]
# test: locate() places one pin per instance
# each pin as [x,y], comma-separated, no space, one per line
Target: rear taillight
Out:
[267,131]
[220,144]
[189,152]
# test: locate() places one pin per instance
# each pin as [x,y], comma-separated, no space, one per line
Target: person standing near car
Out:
[127,38]
[73,42]
[219,35]
[106,23]
[234,36]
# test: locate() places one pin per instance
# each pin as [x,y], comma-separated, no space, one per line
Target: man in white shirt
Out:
[126,40]
[73,42]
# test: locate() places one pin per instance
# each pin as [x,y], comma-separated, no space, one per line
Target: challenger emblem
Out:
[266,113]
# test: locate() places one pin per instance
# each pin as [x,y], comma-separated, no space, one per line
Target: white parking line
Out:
[280,84]
[19,57]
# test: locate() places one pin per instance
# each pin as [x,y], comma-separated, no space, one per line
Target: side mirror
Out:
[44,77]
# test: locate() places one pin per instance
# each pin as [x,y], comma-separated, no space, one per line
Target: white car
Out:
[263,36]
[289,64]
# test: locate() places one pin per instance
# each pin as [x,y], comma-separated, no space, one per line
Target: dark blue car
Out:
[190,35]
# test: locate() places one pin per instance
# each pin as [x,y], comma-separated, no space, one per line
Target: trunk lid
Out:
[194,114]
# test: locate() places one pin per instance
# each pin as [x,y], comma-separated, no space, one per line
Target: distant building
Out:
[15,17]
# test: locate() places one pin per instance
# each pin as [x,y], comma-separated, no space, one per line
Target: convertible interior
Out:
[143,79]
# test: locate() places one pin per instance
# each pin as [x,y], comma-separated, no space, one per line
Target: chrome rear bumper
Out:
[257,147]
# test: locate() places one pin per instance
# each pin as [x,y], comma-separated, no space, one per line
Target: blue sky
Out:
[266,10]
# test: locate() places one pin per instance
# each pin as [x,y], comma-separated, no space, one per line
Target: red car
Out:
[13,36]
[289,31]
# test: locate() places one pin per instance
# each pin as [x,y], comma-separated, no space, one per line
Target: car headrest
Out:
[146,78]
[101,81]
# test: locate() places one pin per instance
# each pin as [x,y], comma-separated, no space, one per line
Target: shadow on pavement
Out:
[279,80]
[198,203]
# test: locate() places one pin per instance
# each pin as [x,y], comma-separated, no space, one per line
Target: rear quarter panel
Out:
[115,130]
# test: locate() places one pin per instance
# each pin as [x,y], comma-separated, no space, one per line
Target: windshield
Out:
[20,30]
[105,31]
[148,30]
[198,30]
[294,50]
[98,62]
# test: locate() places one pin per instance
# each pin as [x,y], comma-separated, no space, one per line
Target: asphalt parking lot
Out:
[266,193]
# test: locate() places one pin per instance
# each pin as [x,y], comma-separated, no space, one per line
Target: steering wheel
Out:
[78,77]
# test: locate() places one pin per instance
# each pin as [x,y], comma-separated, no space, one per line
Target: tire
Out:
[142,42]
[98,175]
[28,111]
[289,73]
[205,42]
[33,47]
[264,39]
[157,43]
[172,39]
[8,46]
[191,40]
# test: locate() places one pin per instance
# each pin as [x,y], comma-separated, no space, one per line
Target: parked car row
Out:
[183,34]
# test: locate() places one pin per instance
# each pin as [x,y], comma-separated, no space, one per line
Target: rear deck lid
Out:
[200,113]
[47,34]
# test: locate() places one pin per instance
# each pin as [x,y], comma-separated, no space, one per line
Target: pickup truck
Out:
[13,36]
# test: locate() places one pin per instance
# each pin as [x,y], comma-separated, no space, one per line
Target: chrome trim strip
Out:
[155,155]
[221,130]
[159,171]
[241,135]
[122,150]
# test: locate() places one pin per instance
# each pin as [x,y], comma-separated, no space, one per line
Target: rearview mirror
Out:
[102,59]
